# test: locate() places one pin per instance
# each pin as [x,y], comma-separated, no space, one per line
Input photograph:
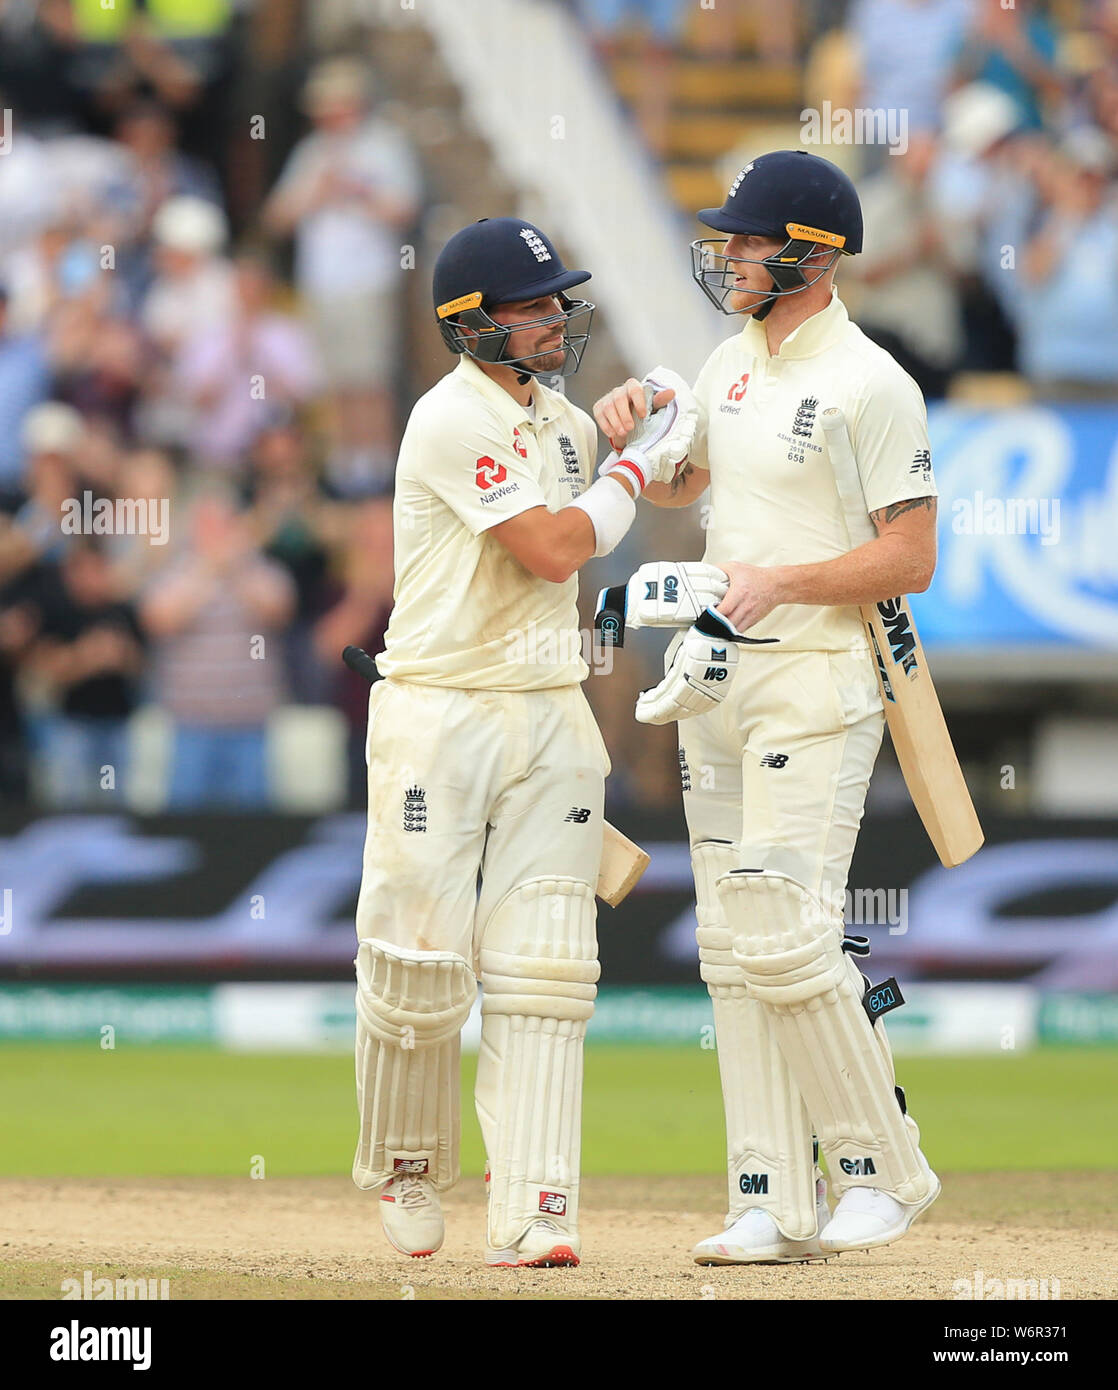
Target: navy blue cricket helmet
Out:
[505,260]
[789,194]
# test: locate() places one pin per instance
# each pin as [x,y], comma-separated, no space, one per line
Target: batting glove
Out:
[700,672]
[662,440]
[662,593]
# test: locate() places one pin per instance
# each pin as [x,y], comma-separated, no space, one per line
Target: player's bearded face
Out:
[542,344]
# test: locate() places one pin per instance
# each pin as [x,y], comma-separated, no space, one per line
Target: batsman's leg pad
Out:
[539,971]
[769,1142]
[789,946]
[411,1006]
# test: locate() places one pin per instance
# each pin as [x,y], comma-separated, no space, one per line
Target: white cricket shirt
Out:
[773,499]
[467,613]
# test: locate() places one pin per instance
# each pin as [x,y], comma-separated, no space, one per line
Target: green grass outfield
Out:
[70,1110]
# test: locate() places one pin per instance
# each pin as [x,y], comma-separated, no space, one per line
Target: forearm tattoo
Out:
[896,509]
[681,477]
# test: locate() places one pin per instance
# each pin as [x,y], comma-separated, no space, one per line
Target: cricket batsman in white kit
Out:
[778,738]
[485,760]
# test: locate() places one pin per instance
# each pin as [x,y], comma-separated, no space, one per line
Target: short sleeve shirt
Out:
[467,613]
[773,498]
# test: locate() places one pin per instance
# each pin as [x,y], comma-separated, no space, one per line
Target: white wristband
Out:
[634,463]
[611,511]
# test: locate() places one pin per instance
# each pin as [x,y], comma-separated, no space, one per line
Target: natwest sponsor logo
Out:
[738,389]
[518,444]
[489,471]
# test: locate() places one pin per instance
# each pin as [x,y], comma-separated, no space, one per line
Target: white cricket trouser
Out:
[782,766]
[506,784]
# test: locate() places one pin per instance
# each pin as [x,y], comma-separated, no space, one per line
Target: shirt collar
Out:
[811,337]
[547,402]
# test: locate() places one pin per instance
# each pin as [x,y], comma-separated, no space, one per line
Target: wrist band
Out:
[611,511]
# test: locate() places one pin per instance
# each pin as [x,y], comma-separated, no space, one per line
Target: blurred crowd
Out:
[990,195]
[992,240]
[218,439]
[200,368]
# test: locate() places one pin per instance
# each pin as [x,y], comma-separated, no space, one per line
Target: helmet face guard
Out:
[467,327]
[714,272]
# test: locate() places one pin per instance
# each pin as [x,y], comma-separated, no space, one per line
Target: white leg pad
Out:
[769,1142]
[539,971]
[789,946]
[411,1006]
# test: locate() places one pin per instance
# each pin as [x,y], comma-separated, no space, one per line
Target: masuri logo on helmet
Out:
[788,193]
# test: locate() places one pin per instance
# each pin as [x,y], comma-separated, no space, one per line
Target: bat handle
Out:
[359,660]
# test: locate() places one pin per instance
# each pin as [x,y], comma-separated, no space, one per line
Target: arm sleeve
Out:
[889,434]
[476,471]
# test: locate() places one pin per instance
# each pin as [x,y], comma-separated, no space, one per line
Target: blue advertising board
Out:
[1028,528]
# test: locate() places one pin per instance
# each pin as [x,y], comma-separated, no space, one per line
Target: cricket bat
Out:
[623,862]
[912,710]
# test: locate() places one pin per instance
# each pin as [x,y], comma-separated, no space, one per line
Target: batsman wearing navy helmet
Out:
[485,761]
[778,733]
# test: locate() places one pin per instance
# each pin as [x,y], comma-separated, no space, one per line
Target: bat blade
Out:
[919,732]
[913,712]
[623,862]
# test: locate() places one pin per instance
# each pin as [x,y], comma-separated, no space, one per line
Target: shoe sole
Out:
[762,1257]
[561,1257]
[414,1254]
[886,1237]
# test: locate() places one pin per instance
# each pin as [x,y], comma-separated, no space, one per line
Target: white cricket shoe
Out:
[866,1216]
[755,1238]
[542,1246]
[412,1215]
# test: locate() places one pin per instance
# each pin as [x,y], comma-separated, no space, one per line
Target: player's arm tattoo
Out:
[681,477]
[896,509]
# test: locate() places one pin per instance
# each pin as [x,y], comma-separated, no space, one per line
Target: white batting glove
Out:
[700,672]
[662,440]
[662,593]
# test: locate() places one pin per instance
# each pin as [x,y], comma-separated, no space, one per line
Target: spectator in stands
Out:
[216,617]
[151,172]
[193,293]
[1067,305]
[53,436]
[178,51]
[150,475]
[30,194]
[296,524]
[24,382]
[88,657]
[58,266]
[904,51]
[38,50]
[357,615]
[909,301]
[975,178]
[100,367]
[237,371]
[1014,49]
[348,192]
[193,289]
